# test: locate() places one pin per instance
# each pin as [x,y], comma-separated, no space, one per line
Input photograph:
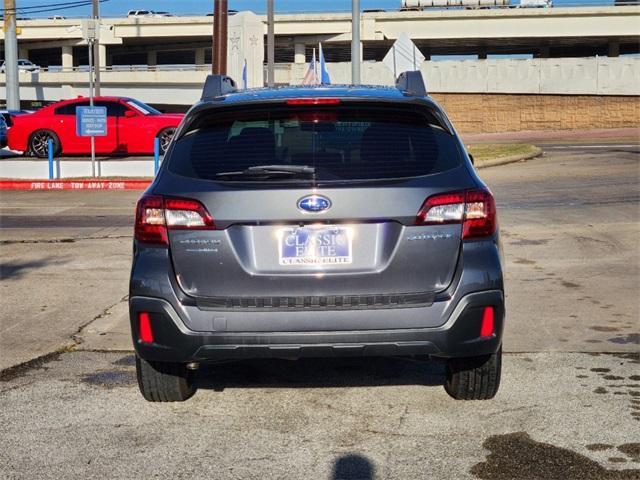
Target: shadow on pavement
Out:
[15,269]
[353,467]
[321,373]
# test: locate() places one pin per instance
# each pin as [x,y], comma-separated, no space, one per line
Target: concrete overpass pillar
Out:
[67,57]
[102,53]
[300,53]
[200,56]
[152,58]
[23,52]
[246,42]
[614,49]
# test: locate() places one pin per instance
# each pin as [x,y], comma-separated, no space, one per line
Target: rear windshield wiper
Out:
[270,171]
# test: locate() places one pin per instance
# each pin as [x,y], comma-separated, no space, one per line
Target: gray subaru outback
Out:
[316,222]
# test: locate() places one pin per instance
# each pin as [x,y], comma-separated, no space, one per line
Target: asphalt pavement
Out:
[569,405]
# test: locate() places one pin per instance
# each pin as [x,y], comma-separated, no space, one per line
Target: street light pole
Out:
[11,55]
[355,42]
[270,45]
[220,12]
[96,46]
[91,87]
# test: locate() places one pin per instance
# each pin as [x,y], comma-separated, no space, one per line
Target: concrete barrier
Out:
[22,168]
[551,76]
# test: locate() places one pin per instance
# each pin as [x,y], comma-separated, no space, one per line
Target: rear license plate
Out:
[324,245]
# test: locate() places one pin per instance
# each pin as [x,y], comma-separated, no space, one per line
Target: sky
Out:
[114,8]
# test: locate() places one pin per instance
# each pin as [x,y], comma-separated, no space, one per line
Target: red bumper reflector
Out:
[487,326]
[144,328]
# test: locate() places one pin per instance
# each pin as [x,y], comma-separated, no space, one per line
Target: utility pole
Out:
[11,55]
[271,48]
[220,12]
[355,42]
[96,46]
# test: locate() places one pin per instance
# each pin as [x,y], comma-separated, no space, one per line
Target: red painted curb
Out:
[74,185]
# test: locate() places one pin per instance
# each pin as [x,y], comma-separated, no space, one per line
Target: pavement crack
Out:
[76,337]
[64,240]
[37,363]
[403,416]
[40,362]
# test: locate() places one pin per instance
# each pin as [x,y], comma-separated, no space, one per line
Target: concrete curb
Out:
[74,184]
[511,159]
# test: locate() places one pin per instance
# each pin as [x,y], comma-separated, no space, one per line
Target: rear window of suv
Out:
[341,142]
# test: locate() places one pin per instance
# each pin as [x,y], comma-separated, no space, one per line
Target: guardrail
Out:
[144,68]
[130,68]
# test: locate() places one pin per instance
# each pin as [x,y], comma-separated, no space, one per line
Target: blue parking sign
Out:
[91,121]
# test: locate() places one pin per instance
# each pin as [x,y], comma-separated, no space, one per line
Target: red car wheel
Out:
[165,137]
[39,143]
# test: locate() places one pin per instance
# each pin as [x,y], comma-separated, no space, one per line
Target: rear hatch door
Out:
[316,203]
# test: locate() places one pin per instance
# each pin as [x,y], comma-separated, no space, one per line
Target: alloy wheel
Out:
[165,139]
[40,143]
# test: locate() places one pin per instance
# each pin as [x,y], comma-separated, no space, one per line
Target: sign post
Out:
[91,122]
[90,33]
[156,155]
[50,158]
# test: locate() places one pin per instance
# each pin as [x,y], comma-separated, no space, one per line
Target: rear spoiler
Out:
[216,86]
[412,83]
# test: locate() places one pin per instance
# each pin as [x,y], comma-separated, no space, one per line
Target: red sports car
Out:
[132,127]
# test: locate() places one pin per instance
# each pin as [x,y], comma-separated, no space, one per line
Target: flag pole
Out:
[320,62]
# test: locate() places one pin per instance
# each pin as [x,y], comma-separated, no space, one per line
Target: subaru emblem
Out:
[314,204]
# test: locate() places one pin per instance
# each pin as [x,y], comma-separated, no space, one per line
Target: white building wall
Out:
[563,76]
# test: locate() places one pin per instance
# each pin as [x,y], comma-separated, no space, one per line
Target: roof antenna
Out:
[412,83]
[216,86]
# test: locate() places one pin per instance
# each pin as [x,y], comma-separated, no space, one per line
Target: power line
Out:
[48,7]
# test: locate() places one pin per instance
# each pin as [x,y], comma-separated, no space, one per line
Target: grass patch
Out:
[492,151]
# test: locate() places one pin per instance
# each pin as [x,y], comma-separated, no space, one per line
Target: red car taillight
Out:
[156,215]
[475,209]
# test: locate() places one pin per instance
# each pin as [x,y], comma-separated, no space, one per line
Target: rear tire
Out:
[474,378]
[38,144]
[164,381]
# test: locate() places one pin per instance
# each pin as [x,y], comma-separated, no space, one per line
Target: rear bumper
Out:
[457,337]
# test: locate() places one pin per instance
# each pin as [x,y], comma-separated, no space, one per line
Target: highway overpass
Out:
[552,32]
[581,70]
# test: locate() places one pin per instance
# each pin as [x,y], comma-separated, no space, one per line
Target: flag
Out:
[324,73]
[311,77]
[244,74]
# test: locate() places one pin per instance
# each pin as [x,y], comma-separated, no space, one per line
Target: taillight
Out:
[475,209]
[155,215]
[186,215]
[314,101]
[479,214]
[150,226]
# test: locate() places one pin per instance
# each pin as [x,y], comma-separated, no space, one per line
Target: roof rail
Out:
[412,83]
[216,86]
